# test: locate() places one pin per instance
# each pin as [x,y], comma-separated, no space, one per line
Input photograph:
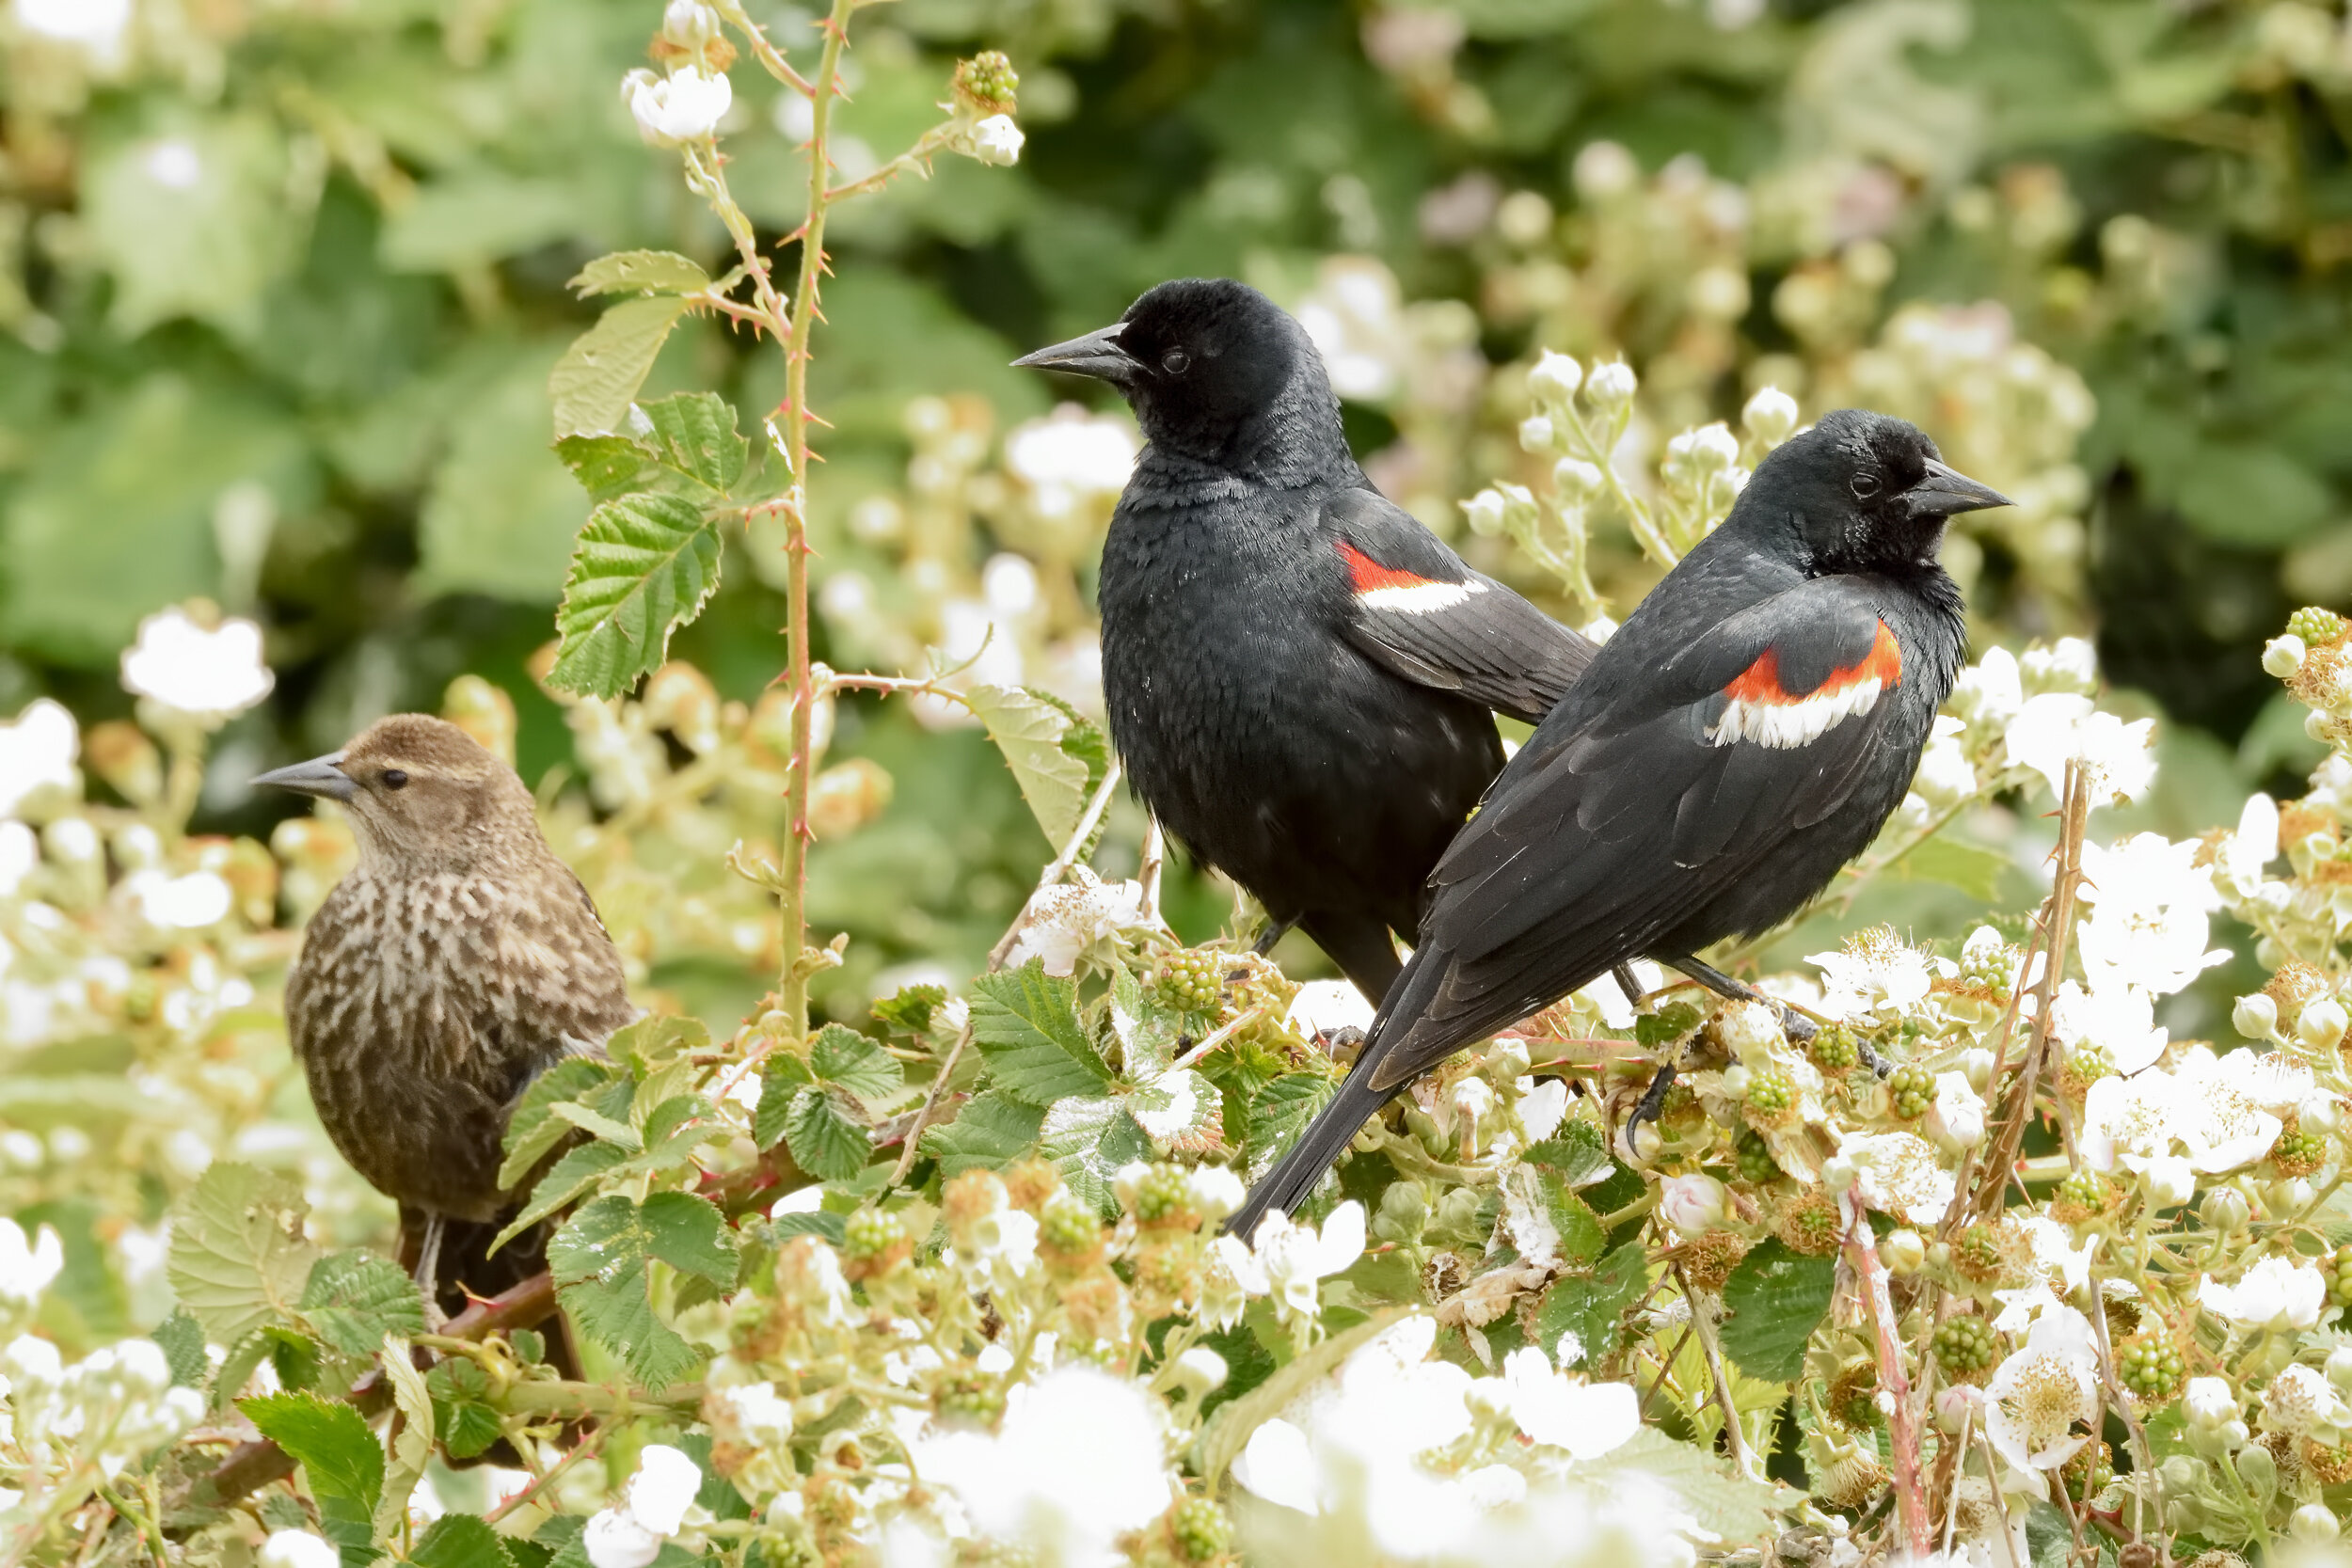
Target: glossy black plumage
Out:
[1298,674]
[1723,756]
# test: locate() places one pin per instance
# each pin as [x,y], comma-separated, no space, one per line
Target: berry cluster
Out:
[869,1233]
[1757,1164]
[1069,1225]
[1162,1193]
[1911,1087]
[2152,1370]
[1201,1530]
[1189,982]
[1989,968]
[2298,1152]
[1833,1049]
[1976,1252]
[1771,1096]
[2314,625]
[1853,1398]
[988,80]
[972,1398]
[1963,1346]
[1810,1225]
[2339,1271]
[2081,1196]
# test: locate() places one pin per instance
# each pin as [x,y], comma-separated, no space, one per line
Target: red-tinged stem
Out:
[1862,1253]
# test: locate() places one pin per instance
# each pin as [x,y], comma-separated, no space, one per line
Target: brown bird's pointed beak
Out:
[322,776]
[1945,491]
[1097,354]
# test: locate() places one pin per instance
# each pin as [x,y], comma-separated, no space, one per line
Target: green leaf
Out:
[1282,1110]
[646,271]
[1026,1025]
[825,1140]
[1089,1139]
[613,1234]
[500,515]
[238,1257]
[1579,1152]
[183,1340]
[206,244]
[331,1442]
[1772,1305]
[596,1124]
[645,567]
[531,1133]
[782,1075]
[460,1541]
[594,382]
[465,1425]
[575,1173]
[656,1041]
[694,434]
[1669,1022]
[619,1315]
[1974,870]
[1581,1239]
[1589,1307]
[353,1299]
[1227,1432]
[909,1009]
[992,1130]
[846,1059]
[1028,730]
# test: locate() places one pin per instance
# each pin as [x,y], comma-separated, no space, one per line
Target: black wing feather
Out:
[1494,647]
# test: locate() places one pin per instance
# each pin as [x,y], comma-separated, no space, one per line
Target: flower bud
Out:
[1737,1077]
[1693,1205]
[1904,1252]
[2256,1016]
[2313,1524]
[1200,1371]
[1955,1404]
[2225,1210]
[2283,656]
[2322,1024]
[1838,1173]
[1535,433]
[2340,1367]
[2257,1469]
[1975,1065]
[1484,513]
[998,140]
[1769,415]
[1611,386]
[2207,1403]
[688,24]
[2183,1473]
[1577,481]
[1554,379]
[2170,1181]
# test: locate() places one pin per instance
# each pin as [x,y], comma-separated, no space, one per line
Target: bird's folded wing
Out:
[1418,610]
[1624,826]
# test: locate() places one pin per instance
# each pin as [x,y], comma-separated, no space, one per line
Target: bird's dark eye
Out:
[1865,486]
[394,777]
[1175,361]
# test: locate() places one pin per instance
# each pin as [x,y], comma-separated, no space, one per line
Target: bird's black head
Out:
[1218,371]
[1858,492]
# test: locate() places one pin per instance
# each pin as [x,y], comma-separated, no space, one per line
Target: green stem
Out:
[794,896]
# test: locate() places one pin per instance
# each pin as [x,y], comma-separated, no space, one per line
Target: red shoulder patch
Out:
[1760,682]
[1367,576]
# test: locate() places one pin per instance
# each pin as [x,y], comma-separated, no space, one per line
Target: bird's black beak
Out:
[322,776]
[1097,354]
[1945,491]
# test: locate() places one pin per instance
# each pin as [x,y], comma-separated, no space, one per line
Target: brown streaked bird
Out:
[458,960]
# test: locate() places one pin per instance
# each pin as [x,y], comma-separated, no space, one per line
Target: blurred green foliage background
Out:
[281,280]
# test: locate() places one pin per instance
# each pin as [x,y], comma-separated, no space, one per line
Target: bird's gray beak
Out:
[1097,354]
[1945,491]
[322,776]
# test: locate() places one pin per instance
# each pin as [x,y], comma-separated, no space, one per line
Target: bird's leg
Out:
[1798,1027]
[428,1270]
[1628,984]
[1275,931]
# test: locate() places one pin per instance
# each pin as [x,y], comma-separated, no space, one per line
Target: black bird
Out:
[1298,673]
[1742,737]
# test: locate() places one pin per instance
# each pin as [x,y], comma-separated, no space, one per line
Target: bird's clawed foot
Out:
[427,1274]
[1799,1028]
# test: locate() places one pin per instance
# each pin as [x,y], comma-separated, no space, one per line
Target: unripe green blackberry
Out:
[1963,1346]
[1189,982]
[1810,1225]
[1068,1225]
[1976,1252]
[2094,1457]
[1911,1090]
[1757,1164]
[1832,1048]
[1162,1192]
[2084,1194]
[2299,1152]
[1771,1096]
[1853,1398]
[2315,625]
[869,1233]
[1201,1529]
[2150,1368]
[1989,967]
[972,1399]
[2339,1277]
[988,80]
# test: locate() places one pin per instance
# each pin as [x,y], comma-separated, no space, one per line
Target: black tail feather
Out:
[1326,1137]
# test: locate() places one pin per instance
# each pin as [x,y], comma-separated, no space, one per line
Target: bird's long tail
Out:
[1326,1137]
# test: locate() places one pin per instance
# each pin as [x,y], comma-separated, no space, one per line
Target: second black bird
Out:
[1298,674]
[1743,736]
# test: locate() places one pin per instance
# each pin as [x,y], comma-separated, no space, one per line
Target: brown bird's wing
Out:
[1417,608]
